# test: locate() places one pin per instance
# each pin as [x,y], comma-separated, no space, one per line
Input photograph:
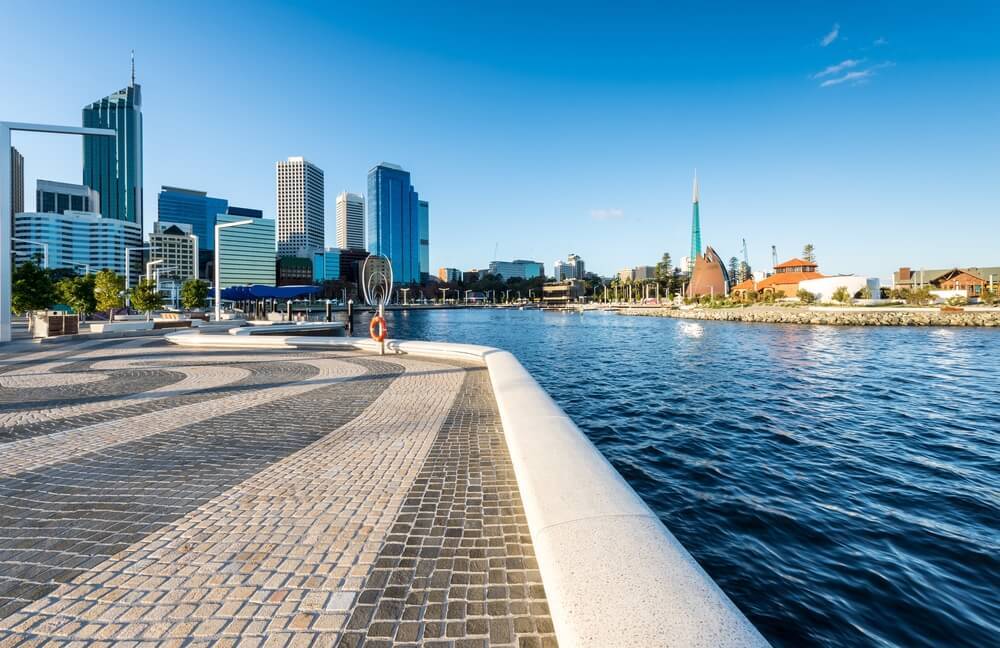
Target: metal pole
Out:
[350,317]
[5,235]
[215,281]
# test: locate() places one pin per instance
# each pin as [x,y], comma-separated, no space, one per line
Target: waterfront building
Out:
[393,221]
[562,292]
[572,268]
[350,221]
[301,207]
[77,240]
[449,275]
[968,281]
[785,280]
[177,246]
[247,252]
[16,184]
[424,224]
[59,197]
[520,268]
[113,166]
[326,265]
[695,225]
[709,276]
[293,271]
[191,207]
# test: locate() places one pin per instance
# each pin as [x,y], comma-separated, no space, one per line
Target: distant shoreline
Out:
[831,316]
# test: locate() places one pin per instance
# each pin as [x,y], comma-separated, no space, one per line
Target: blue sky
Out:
[871,130]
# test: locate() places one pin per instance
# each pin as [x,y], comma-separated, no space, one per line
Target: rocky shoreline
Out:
[871,317]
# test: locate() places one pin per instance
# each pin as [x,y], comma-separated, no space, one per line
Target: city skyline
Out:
[875,135]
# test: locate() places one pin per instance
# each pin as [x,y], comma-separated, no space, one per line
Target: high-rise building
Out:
[246,254]
[644,273]
[177,246]
[695,225]
[393,221]
[16,184]
[350,221]
[520,268]
[326,264]
[113,166]
[59,197]
[424,223]
[77,240]
[194,208]
[449,275]
[572,268]
[301,207]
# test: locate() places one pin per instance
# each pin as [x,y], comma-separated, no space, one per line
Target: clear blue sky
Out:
[871,130]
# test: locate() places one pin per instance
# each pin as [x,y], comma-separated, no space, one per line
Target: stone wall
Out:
[868,317]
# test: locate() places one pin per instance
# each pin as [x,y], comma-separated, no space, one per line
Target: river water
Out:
[841,484]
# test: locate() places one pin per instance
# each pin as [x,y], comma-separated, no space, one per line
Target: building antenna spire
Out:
[695,192]
[133,67]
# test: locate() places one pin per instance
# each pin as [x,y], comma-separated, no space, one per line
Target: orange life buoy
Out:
[379,322]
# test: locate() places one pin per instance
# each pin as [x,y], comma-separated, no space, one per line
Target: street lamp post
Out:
[444,295]
[128,252]
[44,246]
[404,291]
[218,288]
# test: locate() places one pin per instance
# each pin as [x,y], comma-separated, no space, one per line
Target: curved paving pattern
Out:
[264,498]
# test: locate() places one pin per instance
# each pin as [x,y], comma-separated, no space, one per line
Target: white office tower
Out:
[301,206]
[350,221]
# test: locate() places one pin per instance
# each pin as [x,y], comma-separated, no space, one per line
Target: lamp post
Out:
[404,291]
[218,288]
[86,267]
[149,268]
[444,297]
[5,205]
[44,246]
[128,251]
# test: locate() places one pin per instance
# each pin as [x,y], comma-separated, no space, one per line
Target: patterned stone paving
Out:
[258,498]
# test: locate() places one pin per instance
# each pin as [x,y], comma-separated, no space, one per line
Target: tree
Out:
[31,288]
[108,290]
[193,293]
[805,296]
[146,297]
[734,269]
[809,253]
[841,295]
[78,294]
[865,293]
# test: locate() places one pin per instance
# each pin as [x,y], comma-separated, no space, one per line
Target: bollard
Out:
[350,317]
[288,310]
[329,311]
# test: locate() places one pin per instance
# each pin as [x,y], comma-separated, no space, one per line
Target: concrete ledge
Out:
[613,574]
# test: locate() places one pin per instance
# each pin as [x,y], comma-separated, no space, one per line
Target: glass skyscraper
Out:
[393,221]
[194,208]
[424,209]
[113,166]
[246,252]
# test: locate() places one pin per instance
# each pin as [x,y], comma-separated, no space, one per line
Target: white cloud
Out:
[880,41]
[839,67]
[832,36]
[607,214]
[858,76]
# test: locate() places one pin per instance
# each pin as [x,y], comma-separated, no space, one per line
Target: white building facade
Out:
[177,247]
[76,240]
[350,221]
[301,207]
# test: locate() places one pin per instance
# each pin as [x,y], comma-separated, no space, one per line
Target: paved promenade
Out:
[158,495]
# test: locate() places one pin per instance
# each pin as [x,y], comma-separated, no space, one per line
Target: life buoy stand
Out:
[378,323]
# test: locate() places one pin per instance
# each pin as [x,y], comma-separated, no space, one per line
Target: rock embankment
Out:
[867,317]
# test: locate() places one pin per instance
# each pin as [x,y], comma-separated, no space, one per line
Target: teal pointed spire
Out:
[695,223]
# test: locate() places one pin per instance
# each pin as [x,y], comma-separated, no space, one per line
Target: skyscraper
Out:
[113,166]
[301,207]
[350,221]
[16,184]
[695,224]
[393,221]
[424,213]
[246,253]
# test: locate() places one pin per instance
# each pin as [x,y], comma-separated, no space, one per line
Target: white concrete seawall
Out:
[613,574]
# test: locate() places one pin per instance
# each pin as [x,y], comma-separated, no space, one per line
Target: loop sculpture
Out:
[376,282]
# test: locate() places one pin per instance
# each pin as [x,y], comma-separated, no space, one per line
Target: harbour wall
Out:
[829,316]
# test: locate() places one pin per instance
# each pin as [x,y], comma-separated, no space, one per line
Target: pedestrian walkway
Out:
[163,495]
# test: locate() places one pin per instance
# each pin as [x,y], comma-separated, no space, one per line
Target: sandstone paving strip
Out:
[280,556]
[458,567]
[34,453]
[59,521]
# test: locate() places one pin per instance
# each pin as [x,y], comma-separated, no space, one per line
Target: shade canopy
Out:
[259,291]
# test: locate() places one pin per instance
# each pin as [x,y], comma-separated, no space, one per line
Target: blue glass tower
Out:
[695,224]
[194,208]
[113,166]
[394,221]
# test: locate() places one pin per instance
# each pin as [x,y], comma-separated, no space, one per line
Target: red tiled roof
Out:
[793,263]
[749,284]
[781,278]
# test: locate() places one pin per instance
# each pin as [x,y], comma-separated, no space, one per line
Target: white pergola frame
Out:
[6,218]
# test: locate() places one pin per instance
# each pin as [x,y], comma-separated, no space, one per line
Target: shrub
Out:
[805,296]
[841,295]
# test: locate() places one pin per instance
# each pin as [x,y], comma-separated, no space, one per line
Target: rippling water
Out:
[842,485]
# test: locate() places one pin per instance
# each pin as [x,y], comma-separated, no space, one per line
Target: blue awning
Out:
[259,291]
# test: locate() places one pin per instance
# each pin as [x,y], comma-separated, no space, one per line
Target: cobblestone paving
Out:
[293,507]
